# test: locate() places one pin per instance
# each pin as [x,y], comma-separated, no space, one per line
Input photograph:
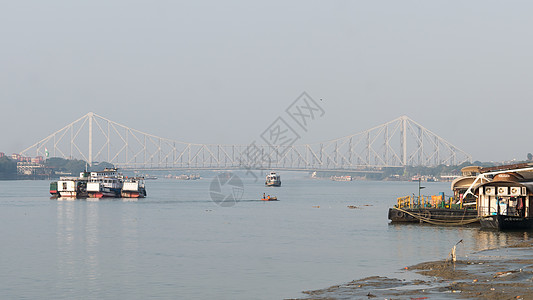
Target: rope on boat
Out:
[439,222]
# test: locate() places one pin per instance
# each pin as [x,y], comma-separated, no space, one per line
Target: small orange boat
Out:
[269,198]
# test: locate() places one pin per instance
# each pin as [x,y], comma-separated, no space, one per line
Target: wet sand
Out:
[503,273]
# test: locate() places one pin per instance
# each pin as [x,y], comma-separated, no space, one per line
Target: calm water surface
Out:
[178,244]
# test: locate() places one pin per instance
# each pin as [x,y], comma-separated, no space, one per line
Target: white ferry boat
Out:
[273,179]
[106,183]
[133,188]
[71,187]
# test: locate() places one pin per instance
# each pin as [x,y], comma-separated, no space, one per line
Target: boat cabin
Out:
[508,198]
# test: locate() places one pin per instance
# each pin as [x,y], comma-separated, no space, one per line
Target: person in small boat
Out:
[264,197]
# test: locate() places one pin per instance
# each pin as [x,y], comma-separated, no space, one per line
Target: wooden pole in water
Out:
[419,191]
[419,188]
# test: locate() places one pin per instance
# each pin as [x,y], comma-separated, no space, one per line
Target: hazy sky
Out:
[222,71]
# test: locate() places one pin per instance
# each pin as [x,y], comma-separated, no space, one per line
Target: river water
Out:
[178,244]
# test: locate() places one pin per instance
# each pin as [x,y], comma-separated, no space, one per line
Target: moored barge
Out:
[101,184]
[499,198]
[433,210]
[458,210]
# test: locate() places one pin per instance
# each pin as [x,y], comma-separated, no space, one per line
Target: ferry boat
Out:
[273,179]
[70,187]
[133,188]
[106,183]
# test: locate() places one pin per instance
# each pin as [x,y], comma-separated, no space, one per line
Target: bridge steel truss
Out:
[397,143]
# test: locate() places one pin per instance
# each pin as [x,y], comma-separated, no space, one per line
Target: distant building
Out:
[2,154]
[37,160]
[32,169]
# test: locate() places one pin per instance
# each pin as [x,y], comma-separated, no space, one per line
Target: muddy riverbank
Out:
[502,273]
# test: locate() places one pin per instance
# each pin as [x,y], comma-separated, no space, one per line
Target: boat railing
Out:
[422,201]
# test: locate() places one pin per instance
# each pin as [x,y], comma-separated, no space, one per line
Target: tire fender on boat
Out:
[400,214]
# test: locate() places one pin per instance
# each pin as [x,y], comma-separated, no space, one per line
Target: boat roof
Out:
[527,184]
[470,169]
[463,182]
[506,167]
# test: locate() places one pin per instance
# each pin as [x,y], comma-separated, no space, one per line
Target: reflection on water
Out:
[91,244]
[77,244]
[422,240]
[80,232]
[65,239]
[489,239]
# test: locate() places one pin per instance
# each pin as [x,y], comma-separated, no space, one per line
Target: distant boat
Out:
[269,198]
[70,187]
[341,178]
[273,179]
[133,188]
[150,177]
[106,183]
[187,177]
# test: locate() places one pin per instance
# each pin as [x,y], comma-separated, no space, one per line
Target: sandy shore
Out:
[503,273]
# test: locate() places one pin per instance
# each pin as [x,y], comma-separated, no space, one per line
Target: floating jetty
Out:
[499,198]
[434,210]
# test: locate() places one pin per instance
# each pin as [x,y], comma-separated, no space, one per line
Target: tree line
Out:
[57,166]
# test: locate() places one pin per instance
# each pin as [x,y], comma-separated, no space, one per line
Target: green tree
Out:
[8,168]
[529,156]
[72,166]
